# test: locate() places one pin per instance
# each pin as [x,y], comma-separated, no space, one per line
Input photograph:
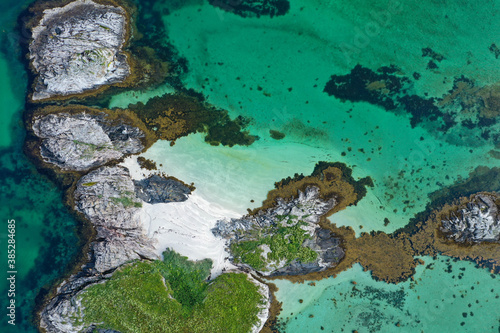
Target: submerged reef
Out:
[172,116]
[252,8]
[469,109]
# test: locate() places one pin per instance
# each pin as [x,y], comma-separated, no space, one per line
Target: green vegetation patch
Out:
[250,253]
[127,202]
[285,243]
[157,296]
[186,278]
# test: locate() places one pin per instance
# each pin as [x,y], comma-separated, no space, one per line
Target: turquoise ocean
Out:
[273,71]
[45,231]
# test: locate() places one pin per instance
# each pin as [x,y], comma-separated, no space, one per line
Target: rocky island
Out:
[77,50]
[78,47]
[478,221]
[285,239]
[83,141]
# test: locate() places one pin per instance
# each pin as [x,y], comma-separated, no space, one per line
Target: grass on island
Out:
[127,202]
[172,296]
[285,243]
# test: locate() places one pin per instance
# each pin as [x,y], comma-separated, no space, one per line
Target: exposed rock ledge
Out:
[78,47]
[304,212]
[83,141]
[478,221]
[106,197]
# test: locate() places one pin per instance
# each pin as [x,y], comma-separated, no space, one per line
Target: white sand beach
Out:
[185,226]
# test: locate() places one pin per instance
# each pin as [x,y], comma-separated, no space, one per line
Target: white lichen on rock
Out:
[106,197]
[82,141]
[477,222]
[77,48]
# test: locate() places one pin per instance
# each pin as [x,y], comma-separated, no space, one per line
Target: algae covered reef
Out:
[389,257]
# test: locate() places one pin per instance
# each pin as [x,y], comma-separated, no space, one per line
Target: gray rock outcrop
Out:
[106,197]
[478,221]
[77,48]
[304,211]
[158,189]
[83,141]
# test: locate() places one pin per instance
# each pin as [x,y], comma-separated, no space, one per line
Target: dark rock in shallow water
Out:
[249,8]
[466,104]
[158,189]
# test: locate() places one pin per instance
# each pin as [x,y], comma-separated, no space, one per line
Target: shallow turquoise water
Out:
[445,296]
[274,71]
[45,235]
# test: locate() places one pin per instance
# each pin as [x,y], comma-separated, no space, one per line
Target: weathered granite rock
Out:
[304,211]
[478,221]
[107,198]
[77,48]
[83,141]
[158,189]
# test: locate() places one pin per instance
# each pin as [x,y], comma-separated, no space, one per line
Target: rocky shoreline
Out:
[83,141]
[77,50]
[478,221]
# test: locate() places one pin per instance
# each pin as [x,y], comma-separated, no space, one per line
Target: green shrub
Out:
[285,243]
[155,297]
[127,202]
